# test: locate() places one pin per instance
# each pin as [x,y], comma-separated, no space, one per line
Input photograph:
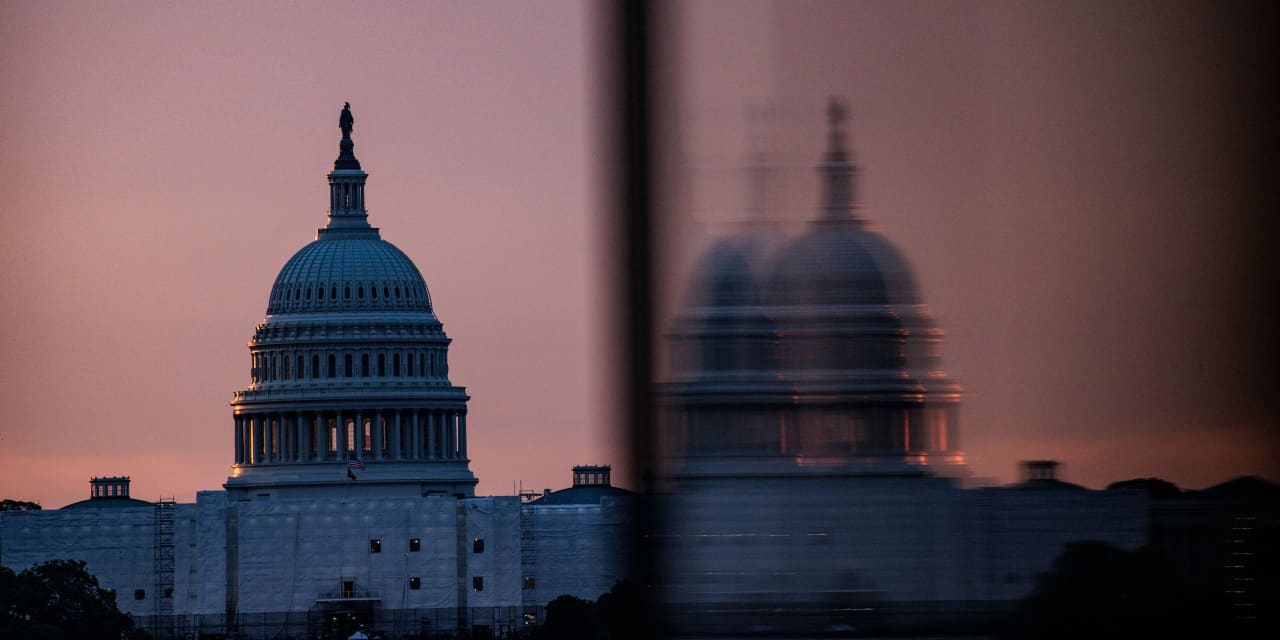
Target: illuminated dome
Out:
[349,370]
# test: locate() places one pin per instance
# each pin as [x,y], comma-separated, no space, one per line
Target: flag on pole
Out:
[353,463]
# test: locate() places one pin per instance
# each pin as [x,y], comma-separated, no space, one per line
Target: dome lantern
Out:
[837,169]
[347,211]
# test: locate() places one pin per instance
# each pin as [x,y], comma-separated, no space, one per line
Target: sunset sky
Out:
[1078,188]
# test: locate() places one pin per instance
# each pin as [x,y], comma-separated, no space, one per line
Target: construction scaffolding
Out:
[528,567]
[164,568]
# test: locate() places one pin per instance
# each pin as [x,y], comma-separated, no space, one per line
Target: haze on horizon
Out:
[1077,187]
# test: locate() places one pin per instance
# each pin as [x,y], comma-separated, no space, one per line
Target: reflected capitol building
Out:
[812,447]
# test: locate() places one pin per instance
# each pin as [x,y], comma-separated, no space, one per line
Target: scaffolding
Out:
[164,568]
[528,567]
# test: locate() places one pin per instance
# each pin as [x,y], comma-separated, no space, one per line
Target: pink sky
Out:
[1071,184]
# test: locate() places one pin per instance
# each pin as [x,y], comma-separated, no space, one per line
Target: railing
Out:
[328,596]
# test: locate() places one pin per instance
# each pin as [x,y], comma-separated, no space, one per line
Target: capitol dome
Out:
[840,262]
[819,351]
[349,273]
[349,370]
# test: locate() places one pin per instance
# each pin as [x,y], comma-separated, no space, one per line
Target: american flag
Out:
[354,463]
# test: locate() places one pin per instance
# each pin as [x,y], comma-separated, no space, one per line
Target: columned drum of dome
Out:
[350,363]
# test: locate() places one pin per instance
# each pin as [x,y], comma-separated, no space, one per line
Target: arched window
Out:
[333,292]
[348,369]
[397,290]
[395,364]
[300,370]
[308,294]
[320,293]
[315,366]
[333,365]
[364,365]
[386,293]
[286,361]
[382,365]
[422,364]
[360,292]
[409,364]
[346,292]
[274,364]
[373,292]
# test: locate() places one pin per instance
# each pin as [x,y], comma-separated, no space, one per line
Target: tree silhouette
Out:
[59,599]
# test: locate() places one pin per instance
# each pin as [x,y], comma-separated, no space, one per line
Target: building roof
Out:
[109,503]
[591,494]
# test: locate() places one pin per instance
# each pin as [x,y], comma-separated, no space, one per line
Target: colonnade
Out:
[372,435]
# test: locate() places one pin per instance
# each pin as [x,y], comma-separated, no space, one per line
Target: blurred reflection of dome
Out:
[820,350]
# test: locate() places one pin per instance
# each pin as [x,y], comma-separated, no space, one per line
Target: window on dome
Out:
[308,294]
[382,365]
[364,365]
[395,364]
[333,292]
[360,293]
[299,372]
[315,366]
[397,290]
[286,361]
[320,293]
[408,363]
[333,365]
[346,293]
[373,292]
[422,362]
[386,293]
[347,369]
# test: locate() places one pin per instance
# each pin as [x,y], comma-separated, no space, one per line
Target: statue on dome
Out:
[345,121]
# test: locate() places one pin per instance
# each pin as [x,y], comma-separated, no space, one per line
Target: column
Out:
[299,439]
[450,445]
[239,440]
[462,434]
[376,427]
[415,429]
[258,430]
[317,436]
[396,436]
[358,433]
[433,437]
[273,439]
[341,425]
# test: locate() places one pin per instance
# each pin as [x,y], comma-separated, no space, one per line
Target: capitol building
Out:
[812,465]
[351,499]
